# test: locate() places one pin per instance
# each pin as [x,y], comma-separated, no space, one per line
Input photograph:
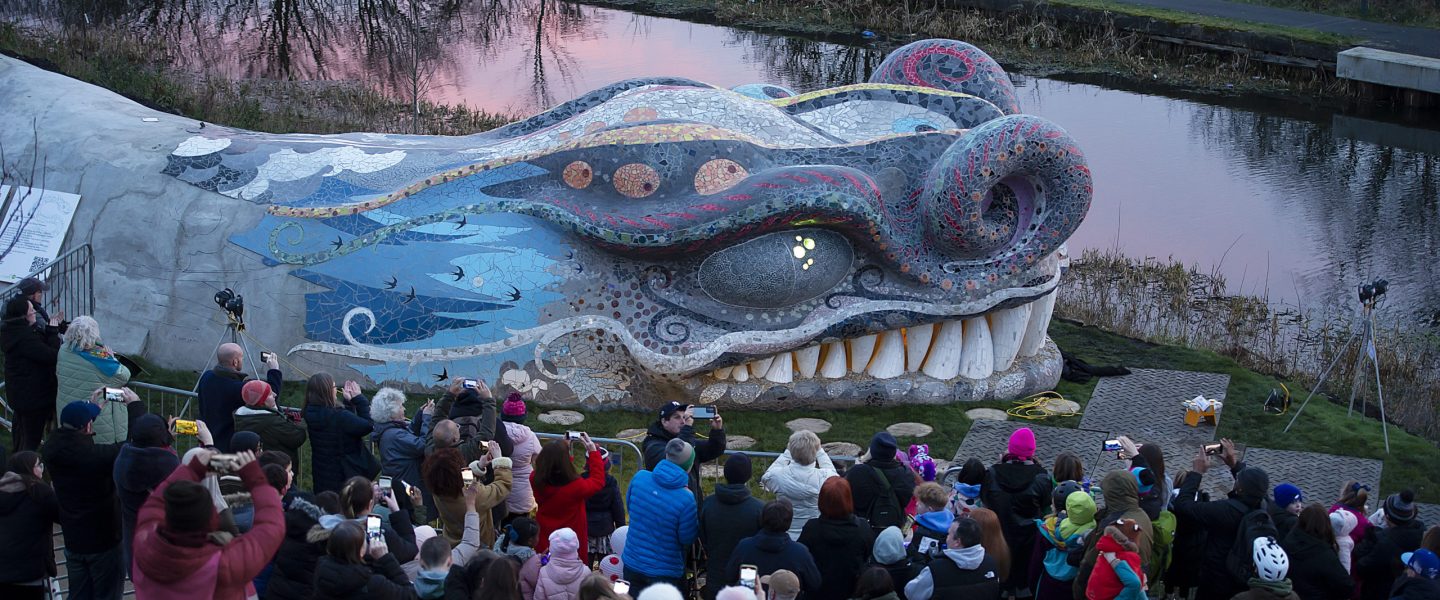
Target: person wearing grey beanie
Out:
[1399,530]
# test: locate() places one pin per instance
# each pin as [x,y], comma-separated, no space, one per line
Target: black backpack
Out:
[1240,563]
[469,427]
[884,511]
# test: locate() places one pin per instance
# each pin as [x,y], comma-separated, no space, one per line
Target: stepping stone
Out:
[631,434]
[916,430]
[562,417]
[987,414]
[738,442]
[711,470]
[842,449]
[818,426]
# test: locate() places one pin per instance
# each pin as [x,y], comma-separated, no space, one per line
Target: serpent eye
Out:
[718,175]
[578,174]
[777,269]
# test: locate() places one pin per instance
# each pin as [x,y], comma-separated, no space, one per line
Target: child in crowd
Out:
[435,561]
[1066,529]
[519,539]
[932,525]
[966,496]
[604,512]
[1118,575]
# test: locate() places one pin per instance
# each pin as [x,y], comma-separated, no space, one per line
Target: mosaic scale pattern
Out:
[894,241]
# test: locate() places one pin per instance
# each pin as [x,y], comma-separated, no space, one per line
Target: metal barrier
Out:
[639,456]
[169,402]
[5,416]
[71,277]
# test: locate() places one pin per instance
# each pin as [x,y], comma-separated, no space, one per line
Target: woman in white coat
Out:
[797,476]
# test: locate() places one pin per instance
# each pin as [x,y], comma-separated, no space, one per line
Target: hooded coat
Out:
[1315,568]
[294,575]
[337,443]
[1018,492]
[30,359]
[138,471]
[800,484]
[1121,581]
[401,452]
[662,522]
[976,578]
[840,547]
[1122,501]
[564,506]
[277,432]
[928,539]
[1377,557]
[865,487]
[1221,521]
[168,569]
[27,517]
[606,510]
[891,555]
[558,579]
[526,446]
[1057,537]
[454,514]
[380,580]
[729,515]
[712,448]
[78,373]
[770,552]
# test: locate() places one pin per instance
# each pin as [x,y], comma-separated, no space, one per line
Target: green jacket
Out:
[79,372]
[276,431]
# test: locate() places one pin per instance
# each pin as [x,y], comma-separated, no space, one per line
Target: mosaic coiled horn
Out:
[949,65]
[1010,191]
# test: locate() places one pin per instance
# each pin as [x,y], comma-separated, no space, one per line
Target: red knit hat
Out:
[255,392]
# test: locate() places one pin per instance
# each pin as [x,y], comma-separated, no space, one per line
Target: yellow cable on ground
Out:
[1037,407]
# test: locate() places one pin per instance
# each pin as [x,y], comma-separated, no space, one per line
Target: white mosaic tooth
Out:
[889,359]
[917,345]
[1007,330]
[861,349]
[759,366]
[944,360]
[1035,330]
[782,369]
[723,372]
[742,373]
[807,360]
[977,358]
[836,362]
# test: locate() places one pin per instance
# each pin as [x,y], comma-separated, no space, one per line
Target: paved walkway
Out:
[1399,38]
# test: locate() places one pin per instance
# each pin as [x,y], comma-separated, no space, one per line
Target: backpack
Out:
[469,427]
[1240,562]
[884,511]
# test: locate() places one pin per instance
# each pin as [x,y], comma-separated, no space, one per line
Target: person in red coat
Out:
[180,552]
[561,492]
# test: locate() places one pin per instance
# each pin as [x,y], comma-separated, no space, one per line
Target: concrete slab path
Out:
[1399,38]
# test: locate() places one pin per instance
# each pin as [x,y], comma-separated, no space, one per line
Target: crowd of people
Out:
[461,500]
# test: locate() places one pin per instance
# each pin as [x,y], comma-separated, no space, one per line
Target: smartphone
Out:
[572,436]
[747,576]
[621,586]
[224,463]
[265,357]
[114,394]
[372,526]
[703,412]
[184,427]
[385,483]
[1112,446]
[467,475]
[470,384]
[1214,449]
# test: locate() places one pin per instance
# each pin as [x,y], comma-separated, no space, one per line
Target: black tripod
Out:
[1366,335]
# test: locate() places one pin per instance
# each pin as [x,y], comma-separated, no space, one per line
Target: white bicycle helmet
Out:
[1271,562]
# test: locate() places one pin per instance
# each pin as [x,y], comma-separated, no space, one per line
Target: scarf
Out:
[101,358]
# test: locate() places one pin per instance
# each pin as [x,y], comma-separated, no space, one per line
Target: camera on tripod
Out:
[231,303]
[1373,291]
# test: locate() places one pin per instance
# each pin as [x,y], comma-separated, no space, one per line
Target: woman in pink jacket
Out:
[558,574]
[521,500]
[180,552]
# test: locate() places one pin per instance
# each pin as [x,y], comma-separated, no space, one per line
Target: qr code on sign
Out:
[37,263]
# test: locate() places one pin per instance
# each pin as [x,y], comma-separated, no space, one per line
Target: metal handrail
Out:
[639,456]
[85,262]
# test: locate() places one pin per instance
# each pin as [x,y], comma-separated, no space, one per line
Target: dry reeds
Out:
[1166,302]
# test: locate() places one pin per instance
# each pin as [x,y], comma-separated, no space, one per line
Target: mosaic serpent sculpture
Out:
[893,241]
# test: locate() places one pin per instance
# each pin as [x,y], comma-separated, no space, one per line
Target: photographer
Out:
[81,472]
[277,430]
[29,372]
[337,433]
[401,449]
[359,566]
[677,421]
[469,403]
[219,390]
[179,551]
[83,364]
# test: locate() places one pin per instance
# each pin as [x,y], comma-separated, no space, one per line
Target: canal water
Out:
[1294,203]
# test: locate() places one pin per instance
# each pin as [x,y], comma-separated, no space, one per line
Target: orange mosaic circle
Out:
[578,174]
[642,113]
[719,175]
[636,180]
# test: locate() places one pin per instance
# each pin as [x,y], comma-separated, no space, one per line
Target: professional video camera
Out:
[1373,291]
[231,303]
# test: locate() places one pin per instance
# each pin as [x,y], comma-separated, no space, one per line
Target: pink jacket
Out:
[521,499]
[558,579]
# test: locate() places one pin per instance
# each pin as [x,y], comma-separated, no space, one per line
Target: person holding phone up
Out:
[677,421]
[219,390]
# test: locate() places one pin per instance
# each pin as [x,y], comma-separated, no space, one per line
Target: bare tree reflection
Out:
[807,64]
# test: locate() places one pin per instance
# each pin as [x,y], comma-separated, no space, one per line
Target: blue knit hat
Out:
[79,413]
[1144,478]
[1286,494]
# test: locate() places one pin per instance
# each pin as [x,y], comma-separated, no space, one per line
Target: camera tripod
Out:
[234,327]
[1366,336]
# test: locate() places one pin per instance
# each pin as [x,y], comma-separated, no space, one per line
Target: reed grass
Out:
[1165,301]
[137,67]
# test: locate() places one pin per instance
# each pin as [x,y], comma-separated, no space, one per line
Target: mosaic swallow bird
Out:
[391,283]
[444,375]
[410,296]
[458,273]
[514,294]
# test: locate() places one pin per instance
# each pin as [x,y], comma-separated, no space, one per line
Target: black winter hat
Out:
[188,508]
[150,432]
[241,441]
[1253,482]
[883,445]
[738,469]
[1400,507]
[972,472]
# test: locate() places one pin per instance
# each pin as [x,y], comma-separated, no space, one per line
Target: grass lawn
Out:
[1324,427]
[1175,16]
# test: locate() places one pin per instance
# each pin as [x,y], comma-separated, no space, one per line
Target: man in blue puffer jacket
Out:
[663,523]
